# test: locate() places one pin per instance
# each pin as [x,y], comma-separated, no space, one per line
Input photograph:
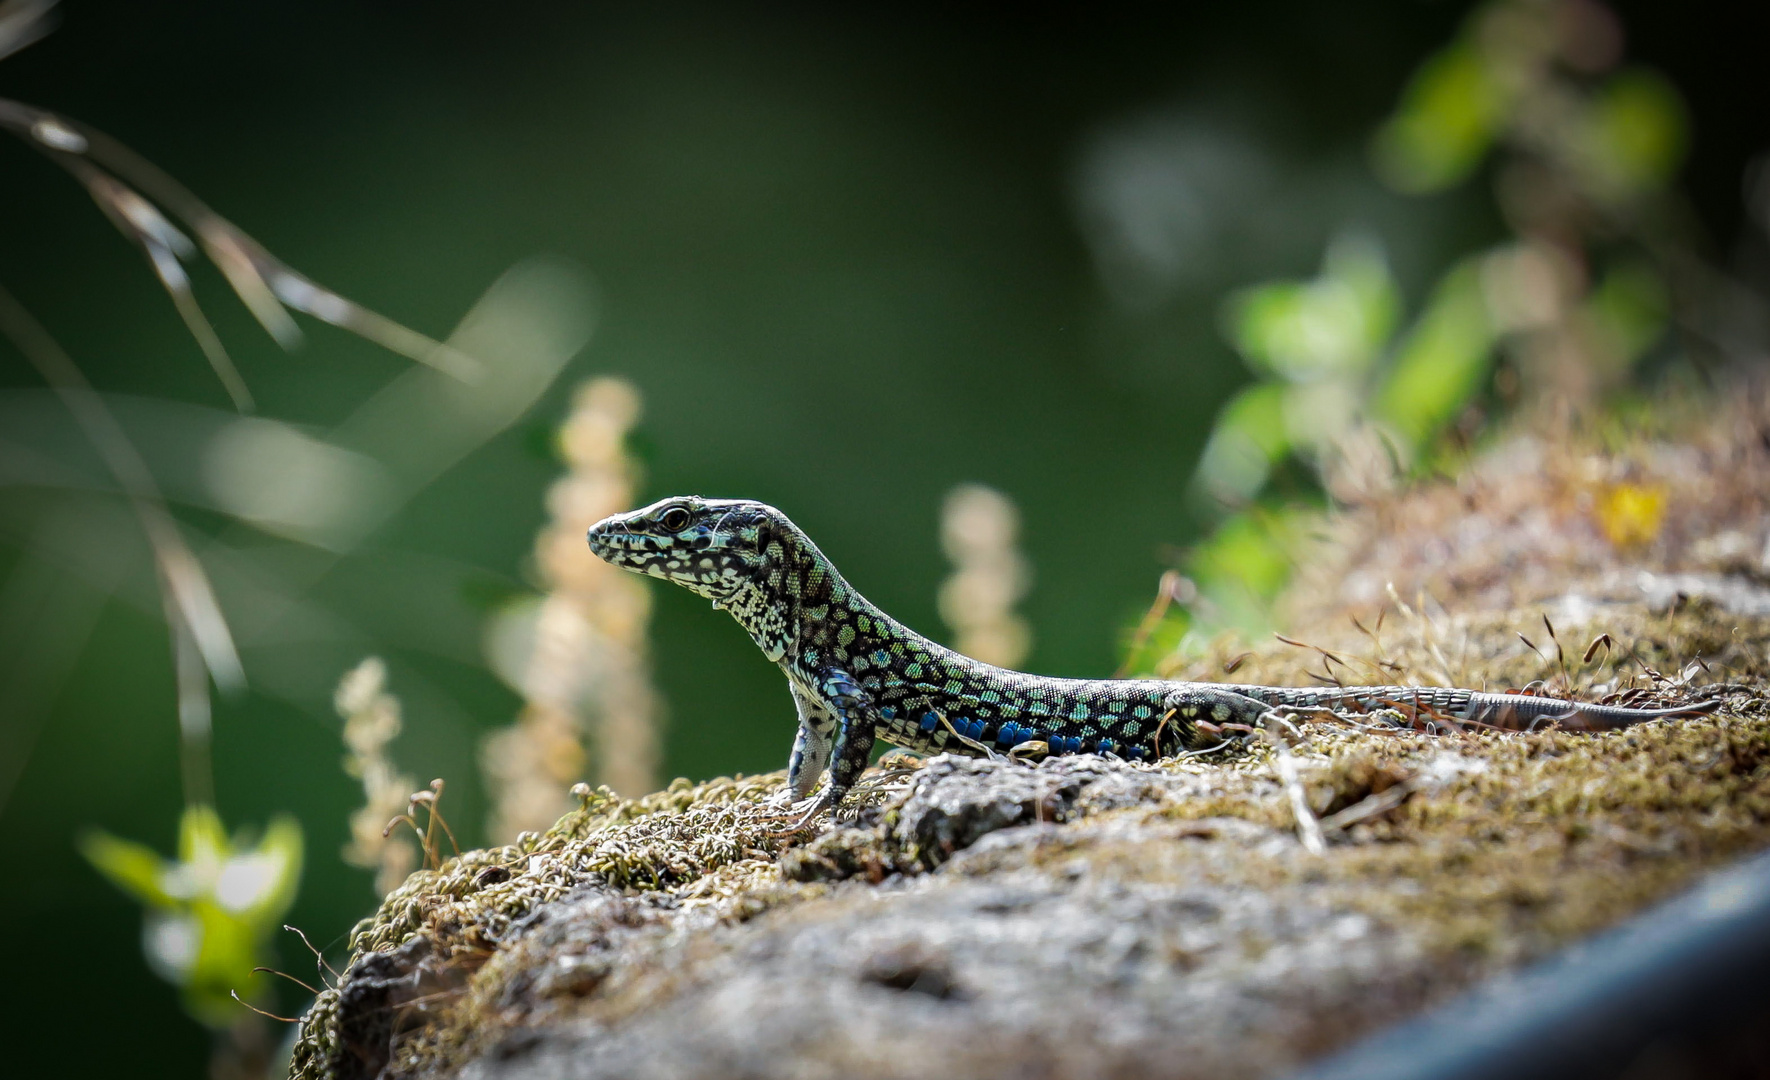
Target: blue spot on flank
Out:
[888,712]
[928,723]
[973,728]
[1135,753]
[1107,746]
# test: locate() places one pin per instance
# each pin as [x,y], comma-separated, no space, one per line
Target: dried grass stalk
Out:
[371,721]
[978,528]
[579,656]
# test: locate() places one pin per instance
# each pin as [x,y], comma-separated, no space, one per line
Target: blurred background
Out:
[1011,311]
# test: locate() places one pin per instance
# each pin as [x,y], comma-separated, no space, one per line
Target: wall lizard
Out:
[857,675]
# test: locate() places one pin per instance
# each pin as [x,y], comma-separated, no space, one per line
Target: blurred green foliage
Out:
[1445,124]
[1441,363]
[1331,363]
[1582,156]
[1534,73]
[209,912]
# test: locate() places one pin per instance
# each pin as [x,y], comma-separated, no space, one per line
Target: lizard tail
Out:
[1524,710]
[1500,710]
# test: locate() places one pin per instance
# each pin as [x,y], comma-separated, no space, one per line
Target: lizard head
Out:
[709,546]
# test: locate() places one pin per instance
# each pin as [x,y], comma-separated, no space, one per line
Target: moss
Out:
[1468,850]
[1501,846]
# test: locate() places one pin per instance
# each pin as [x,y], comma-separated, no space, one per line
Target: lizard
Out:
[857,675]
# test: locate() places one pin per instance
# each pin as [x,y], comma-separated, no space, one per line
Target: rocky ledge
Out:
[1078,917]
[1230,915]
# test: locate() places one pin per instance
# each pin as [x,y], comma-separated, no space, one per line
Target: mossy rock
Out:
[1081,916]
[1086,916]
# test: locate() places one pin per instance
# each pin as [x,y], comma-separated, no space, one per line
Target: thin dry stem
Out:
[182,576]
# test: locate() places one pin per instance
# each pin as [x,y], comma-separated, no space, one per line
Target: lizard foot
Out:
[801,815]
[781,799]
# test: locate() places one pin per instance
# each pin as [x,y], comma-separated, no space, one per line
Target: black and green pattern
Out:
[857,674]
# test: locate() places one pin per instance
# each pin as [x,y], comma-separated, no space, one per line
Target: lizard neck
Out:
[802,613]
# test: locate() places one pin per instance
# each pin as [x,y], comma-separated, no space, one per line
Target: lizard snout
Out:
[606,536]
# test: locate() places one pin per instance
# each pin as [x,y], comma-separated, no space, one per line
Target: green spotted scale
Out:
[858,675]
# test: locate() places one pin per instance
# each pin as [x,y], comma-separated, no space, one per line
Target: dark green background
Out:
[838,250]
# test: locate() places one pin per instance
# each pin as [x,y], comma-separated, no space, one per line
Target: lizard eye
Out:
[674,519]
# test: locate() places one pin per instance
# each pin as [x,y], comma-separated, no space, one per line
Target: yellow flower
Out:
[1631,514]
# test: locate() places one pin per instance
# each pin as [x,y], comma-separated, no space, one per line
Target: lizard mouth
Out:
[612,541]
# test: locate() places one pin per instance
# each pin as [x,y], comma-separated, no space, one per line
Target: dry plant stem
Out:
[432,857]
[430,800]
[285,1019]
[583,669]
[264,284]
[194,719]
[972,743]
[427,834]
[132,215]
[1308,828]
[318,957]
[23,22]
[284,974]
[436,814]
[418,831]
[979,527]
[1158,610]
[1368,807]
[181,575]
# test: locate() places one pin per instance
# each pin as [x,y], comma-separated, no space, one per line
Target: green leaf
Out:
[1441,362]
[211,912]
[1255,319]
[134,868]
[1243,564]
[230,948]
[202,841]
[1333,326]
[1248,438]
[1163,640]
[1638,130]
[279,860]
[1629,310]
[1446,122]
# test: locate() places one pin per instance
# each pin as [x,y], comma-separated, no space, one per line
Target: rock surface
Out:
[1089,917]
[1082,917]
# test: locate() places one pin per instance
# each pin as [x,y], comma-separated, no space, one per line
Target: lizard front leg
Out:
[811,747]
[853,744]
